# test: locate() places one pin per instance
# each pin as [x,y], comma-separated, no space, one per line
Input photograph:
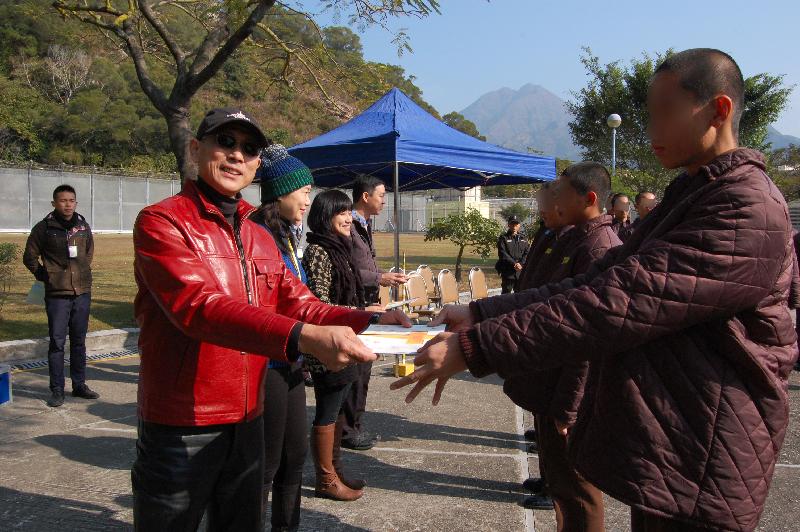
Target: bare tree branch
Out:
[198,77]
[136,53]
[177,53]
[342,110]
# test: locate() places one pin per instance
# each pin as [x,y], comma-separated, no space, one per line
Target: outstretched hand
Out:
[394,317]
[335,346]
[456,317]
[438,360]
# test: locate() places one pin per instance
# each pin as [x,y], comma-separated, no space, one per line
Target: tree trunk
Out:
[180,134]
[458,263]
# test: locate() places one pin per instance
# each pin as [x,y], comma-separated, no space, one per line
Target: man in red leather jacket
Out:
[215,303]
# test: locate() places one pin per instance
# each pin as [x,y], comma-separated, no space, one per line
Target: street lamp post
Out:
[614,121]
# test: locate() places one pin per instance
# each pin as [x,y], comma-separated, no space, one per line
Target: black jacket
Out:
[47,256]
[511,249]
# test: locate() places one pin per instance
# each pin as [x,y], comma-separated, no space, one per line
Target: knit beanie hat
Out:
[280,173]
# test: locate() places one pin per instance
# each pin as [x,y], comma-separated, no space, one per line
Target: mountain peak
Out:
[530,117]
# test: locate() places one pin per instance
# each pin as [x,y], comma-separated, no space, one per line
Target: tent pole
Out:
[396,196]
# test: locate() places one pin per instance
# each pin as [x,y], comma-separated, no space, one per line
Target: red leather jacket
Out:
[212,311]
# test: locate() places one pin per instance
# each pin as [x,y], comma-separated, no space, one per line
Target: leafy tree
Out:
[469,229]
[622,89]
[8,258]
[173,62]
[522,212]
[785,171]
[520,191]
[463,124]
[129,131]
[19,139]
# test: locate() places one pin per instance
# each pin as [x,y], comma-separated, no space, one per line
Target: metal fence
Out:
[110,203]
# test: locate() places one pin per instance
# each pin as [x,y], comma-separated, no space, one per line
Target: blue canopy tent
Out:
[408,149]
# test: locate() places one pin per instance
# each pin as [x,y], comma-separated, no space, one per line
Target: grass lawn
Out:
[114,287]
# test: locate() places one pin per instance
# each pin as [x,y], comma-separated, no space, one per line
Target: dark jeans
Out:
[182,472]
[285,444]
[355,403]
[67,314]
[330,402]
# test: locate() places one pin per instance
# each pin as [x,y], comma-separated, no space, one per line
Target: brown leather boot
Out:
[328,485]
[352,483]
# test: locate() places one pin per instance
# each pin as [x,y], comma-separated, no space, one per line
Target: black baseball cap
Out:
[513,220]
[223,116]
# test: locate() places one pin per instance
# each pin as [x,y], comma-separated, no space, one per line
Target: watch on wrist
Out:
[375,318]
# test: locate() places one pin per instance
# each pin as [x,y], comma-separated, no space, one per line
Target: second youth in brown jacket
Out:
[557,392]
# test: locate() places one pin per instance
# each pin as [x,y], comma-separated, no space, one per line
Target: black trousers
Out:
[182,472]
[355,403]
[507,283]
[67,315]
[330,402]
[285,444]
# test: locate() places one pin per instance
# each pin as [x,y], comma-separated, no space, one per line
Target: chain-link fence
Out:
[110,200]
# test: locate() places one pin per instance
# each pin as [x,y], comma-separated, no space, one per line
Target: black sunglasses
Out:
[227,141]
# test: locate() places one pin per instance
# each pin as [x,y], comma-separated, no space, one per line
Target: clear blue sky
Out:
[476,46]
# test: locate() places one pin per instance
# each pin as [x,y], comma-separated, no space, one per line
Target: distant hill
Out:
[534,117]
[779,140]
[531,117]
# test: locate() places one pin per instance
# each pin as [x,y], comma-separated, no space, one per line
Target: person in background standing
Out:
[644,203]
[794,292]
[334,279]
[63,242]
[512,249]
[285,189]
[369,198]
[620,210]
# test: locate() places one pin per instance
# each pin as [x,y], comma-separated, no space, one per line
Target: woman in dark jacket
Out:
[333,278]
[285,189]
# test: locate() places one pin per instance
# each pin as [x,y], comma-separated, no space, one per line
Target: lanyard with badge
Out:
[72,250]
[293,255]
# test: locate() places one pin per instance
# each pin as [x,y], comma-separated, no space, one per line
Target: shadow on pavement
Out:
[107,452]
[392,427]
[390,477]
[35,512]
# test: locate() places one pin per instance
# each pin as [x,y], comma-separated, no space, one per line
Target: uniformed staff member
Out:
[512,248]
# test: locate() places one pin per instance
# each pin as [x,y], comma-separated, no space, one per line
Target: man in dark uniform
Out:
[512,248]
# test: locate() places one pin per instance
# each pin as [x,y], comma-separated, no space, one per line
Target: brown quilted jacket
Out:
[557,392]
[689,327]
[538,272]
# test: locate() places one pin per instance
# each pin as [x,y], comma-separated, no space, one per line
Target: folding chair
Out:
[448,287]
[478,289]
[430,283]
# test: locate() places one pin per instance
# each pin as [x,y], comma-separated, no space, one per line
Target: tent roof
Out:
[430,153]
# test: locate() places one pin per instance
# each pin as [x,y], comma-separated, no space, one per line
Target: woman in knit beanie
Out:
[285,189]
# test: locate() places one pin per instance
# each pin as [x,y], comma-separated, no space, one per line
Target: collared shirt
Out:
[360,219]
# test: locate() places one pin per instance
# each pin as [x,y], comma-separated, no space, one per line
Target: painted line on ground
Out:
[110,429]
[522,462]
[448,453]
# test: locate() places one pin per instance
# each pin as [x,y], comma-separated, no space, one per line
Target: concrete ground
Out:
[454,467]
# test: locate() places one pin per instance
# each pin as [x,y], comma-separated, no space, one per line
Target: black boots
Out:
[56,398]
[84,392]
